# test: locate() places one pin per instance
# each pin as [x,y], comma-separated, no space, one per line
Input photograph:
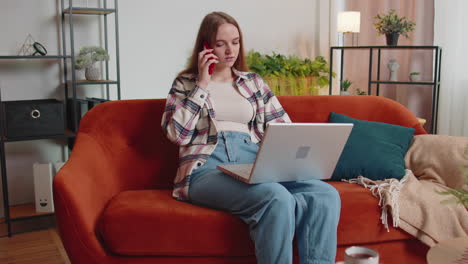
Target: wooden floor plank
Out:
[44,247]
[58,242]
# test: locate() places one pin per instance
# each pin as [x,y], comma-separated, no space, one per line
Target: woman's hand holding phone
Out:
[206,62]
[212,65]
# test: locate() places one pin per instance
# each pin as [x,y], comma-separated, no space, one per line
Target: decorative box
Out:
[33,118]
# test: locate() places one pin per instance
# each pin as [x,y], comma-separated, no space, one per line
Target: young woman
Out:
[221,118]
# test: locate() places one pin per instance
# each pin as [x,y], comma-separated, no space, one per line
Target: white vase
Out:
[393,67]
[345,93]
[92,73]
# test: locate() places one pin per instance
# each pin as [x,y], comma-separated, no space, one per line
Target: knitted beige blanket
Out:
[434,164]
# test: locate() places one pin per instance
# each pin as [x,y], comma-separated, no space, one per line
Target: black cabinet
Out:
[433,84]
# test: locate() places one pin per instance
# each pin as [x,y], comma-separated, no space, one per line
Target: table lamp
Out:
[349,22]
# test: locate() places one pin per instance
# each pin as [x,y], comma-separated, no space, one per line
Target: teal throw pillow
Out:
[374,150]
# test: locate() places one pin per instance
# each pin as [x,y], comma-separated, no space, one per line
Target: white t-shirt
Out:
[233,111]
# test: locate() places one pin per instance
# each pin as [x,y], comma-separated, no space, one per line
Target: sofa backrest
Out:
[130,130]
[370,108]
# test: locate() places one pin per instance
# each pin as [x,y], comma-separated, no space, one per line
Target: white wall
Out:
[156,38]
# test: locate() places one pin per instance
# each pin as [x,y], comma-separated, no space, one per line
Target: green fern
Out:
[289,67]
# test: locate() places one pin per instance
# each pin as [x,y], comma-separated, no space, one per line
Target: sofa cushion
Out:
[374,150]
[151,222]
[360,218]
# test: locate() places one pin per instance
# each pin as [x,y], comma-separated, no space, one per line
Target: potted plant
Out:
[459,195]
[360,92]
[290,75]
[86,59]
[345,84]
[391,25]
[414,76]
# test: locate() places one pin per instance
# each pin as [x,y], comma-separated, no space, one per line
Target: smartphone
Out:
[212,65]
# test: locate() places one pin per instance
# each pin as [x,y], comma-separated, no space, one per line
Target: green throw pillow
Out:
[374,150]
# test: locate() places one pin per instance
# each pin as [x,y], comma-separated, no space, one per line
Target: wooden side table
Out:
[453,251]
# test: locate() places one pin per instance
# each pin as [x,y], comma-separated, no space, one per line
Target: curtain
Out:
[418,98]
[450,32]
[323,30]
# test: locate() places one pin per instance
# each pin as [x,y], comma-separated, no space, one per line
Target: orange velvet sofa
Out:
[113,197]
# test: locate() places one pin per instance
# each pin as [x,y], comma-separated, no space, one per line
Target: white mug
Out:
[361,255]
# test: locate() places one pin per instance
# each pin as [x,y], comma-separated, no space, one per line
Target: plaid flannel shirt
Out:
[189,120]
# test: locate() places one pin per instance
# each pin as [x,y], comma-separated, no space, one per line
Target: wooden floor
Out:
[38,247]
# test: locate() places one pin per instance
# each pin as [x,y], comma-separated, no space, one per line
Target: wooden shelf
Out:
[89,11]
[24,211]
[384,47]
[35,57]
[68,134]
[86,82]
[398,82]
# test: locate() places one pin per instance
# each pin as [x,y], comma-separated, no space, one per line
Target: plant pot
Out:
[415,78]
[293,85]
[92,73]
[392,39]
[345,93]
[273,82]
[284,86]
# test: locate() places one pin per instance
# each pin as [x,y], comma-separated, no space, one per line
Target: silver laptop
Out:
[294,152]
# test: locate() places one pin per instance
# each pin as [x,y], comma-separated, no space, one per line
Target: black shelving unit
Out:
[435,83]
[70,12]
[25,212]
[22,212]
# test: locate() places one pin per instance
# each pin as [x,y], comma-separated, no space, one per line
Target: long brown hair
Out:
[207,32]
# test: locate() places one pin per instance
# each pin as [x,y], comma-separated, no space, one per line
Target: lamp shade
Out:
[349,21]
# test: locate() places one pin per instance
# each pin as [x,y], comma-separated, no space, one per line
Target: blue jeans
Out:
[274,212]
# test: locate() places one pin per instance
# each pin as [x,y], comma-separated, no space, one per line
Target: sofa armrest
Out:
[119,146]
[82,189]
